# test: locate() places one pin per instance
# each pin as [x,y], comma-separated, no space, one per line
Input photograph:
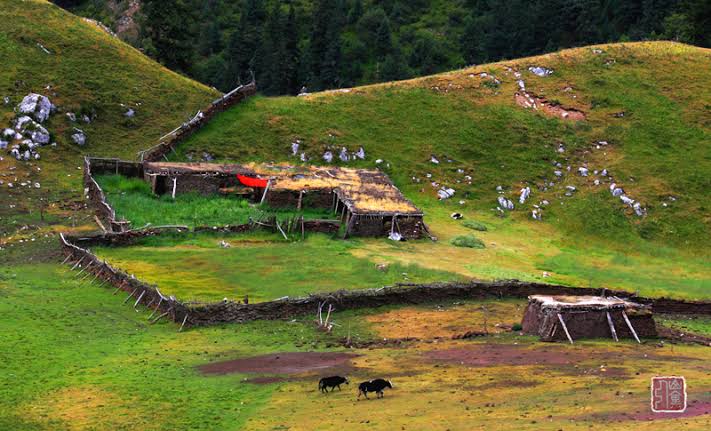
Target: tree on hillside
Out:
[242,50]
[169,32]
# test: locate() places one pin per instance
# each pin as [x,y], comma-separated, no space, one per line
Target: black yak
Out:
[332,382]
[376,386]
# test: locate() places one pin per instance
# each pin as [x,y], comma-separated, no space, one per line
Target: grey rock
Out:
[328,156]
[37,106]
[72,116]
[79,137]
[525,193]
[540,71]
[3,145]
[294,148]
[343,155]
[360,153]
[445,193]
[8,133]
[130,113]
[583,171]
[505,203]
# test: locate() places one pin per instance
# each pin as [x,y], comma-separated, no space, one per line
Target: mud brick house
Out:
[367,201]
[560,318]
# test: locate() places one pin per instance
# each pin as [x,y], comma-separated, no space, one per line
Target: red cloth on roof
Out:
[252,182]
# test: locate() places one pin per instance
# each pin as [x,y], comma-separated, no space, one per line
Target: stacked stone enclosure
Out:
[586,317]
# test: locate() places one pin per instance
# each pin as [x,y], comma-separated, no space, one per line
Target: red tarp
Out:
[252,182]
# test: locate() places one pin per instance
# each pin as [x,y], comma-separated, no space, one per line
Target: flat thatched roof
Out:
[571,303]
[363,191]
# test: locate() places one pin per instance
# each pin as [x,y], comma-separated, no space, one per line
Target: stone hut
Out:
[367,202]
[561,318]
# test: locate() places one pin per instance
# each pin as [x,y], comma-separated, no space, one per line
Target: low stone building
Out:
[568,318]
[367,202]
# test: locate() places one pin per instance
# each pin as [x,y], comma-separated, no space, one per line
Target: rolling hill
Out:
[647,124]
[85,71]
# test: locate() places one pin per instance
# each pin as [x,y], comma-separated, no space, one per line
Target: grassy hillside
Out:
[661,147]
[85,71]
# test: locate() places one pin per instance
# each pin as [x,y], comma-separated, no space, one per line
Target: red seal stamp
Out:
[668,394]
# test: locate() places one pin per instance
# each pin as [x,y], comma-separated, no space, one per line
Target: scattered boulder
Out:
[456,216]
[445,193]
[583,171]
[360,154]
[3,145]
[72,116]
[328,156]
[434,160]
[79,137]
[536,214]
[295,147]
[505,204]
[37,106]
[540,71]
[303,157]
[343,155]
[130,113]
[525,193]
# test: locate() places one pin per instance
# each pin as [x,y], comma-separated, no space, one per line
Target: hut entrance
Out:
[568,318]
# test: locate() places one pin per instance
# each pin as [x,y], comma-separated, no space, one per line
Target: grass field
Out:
[75,358]
[262,266]
[133,200]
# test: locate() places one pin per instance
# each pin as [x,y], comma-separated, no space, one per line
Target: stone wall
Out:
[169,141]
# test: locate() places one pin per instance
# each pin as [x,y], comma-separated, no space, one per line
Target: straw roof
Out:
[363,191]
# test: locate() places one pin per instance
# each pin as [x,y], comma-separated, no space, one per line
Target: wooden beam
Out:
[266,189]
[629,325]
[159,317]
[565,328]
[612,326]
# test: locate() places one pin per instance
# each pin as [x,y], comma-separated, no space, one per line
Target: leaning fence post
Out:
[129,296]
[183,324]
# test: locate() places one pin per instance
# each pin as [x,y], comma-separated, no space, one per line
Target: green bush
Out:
[469,241]
[473,224]
[516,327]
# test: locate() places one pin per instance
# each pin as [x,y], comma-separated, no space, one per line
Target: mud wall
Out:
[229,311]
[169,141]
[207,314]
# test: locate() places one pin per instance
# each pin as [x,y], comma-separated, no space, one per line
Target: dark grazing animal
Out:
[376,386]
[332,382]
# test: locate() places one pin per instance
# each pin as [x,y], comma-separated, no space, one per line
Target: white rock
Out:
[445,193]
[521,85]
[596,182]
[638,209]
[505,203]
[343,155]
[130,113]
[79,137]
[303,157]
[36,105]
[360,153]
[434,160]
[583,171]
[603,173]
[626,200]
[379,161]
[8,133]
[570,188]
[558,173]
[72,116]
[328,156]
[525,193]
[3,145]
[37,185]
[540,71]
[294,148]
[536,214]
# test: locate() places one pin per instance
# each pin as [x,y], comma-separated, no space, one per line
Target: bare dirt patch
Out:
[486,355]
[527,100]
[694,409]
[281,363]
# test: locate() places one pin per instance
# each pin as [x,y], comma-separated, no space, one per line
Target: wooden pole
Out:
[629,324]
[565,328]
[66,259]
[298,204]
[156,309]
[175,186]
[183,324]
[159,317]
[129,296]
[139,299]
[612,326]
[281,230]
[78,262]
[264,196]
